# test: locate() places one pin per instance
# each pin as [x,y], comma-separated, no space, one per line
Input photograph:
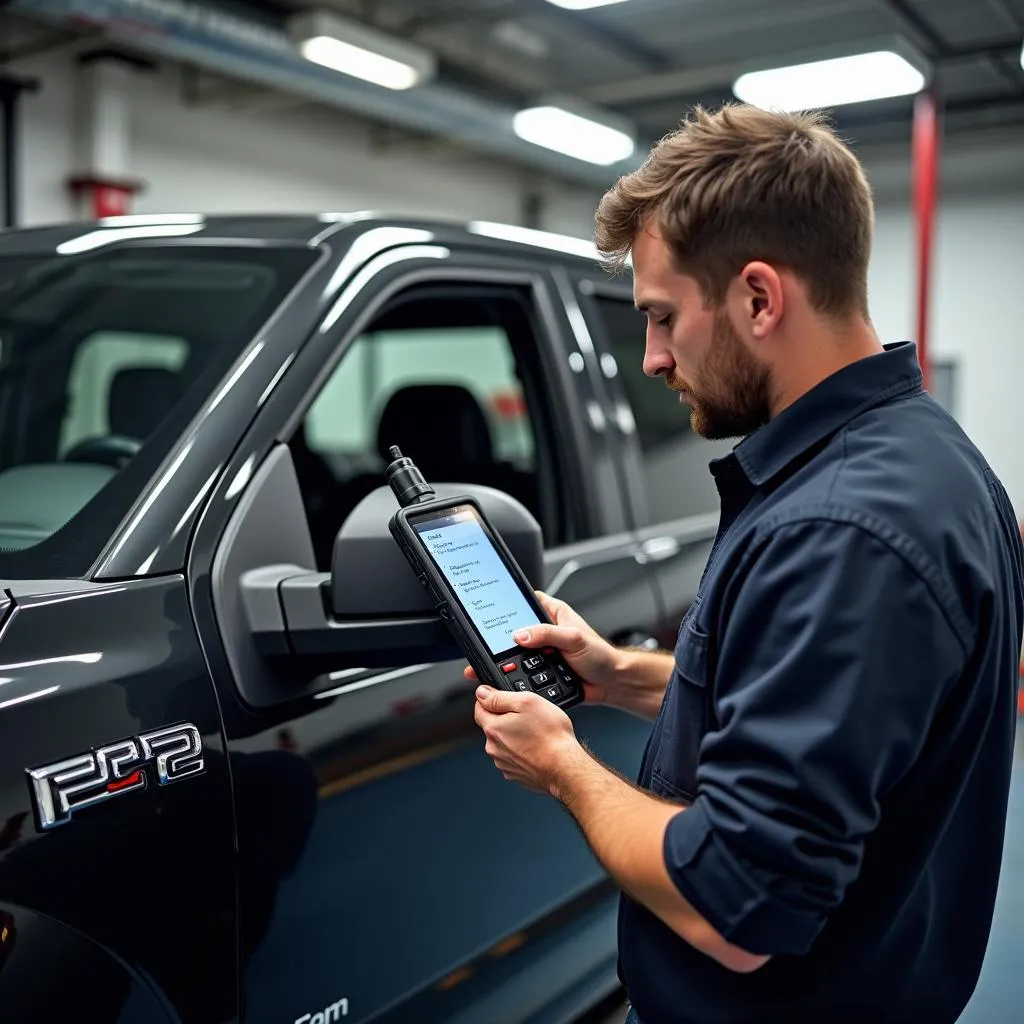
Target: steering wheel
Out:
[113,450]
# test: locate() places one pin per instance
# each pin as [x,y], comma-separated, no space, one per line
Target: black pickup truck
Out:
[239,774]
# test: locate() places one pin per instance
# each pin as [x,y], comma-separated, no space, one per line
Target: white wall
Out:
[222,156]
[975,315]
[216,158]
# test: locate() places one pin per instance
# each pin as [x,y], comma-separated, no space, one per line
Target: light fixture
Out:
[583,5]
[360,51]
[566,126]
[1022,56]
[858,78]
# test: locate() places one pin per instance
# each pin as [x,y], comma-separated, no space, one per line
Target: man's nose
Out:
[657,360]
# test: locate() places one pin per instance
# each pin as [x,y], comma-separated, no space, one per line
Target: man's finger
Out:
[500,702]
[565,638]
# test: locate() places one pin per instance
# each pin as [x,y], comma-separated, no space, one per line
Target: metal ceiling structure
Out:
[645,60]
[650,59]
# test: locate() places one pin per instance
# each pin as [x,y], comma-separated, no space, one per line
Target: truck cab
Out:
[240,780]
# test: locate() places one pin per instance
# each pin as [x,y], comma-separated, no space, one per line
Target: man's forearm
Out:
[602,803]
[644,678]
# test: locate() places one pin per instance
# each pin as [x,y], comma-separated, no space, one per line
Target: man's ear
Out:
[762,298]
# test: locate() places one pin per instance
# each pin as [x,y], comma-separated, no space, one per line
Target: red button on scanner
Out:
[509,666]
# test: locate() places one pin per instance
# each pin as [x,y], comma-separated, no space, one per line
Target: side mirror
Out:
[370,576]
[370,610]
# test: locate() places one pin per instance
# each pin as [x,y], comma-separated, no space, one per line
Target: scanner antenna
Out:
[405,479]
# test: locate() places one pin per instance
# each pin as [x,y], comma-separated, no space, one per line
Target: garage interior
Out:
[177,108]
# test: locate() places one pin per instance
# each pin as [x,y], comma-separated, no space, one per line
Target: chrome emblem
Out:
[162,756]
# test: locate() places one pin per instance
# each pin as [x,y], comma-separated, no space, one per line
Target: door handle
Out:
[657,549]
[590,561]
[637,639]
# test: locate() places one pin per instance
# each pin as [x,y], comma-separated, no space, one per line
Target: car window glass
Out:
[101,397]
[675,458]
[447,387]
[105,356]
[341,422]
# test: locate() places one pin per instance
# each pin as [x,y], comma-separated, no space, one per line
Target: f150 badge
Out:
[164,755]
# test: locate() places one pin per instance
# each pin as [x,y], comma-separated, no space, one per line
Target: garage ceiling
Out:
[644,60]
[650,59]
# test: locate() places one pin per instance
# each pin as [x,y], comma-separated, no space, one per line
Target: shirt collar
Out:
[826,408]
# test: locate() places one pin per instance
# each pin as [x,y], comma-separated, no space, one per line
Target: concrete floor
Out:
[999,998]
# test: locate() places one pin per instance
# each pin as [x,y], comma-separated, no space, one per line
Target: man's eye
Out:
[665,321]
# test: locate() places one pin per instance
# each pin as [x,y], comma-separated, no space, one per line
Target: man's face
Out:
[697,350]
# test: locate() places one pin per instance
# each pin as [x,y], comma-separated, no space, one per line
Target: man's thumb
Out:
[496,701]
[565,638]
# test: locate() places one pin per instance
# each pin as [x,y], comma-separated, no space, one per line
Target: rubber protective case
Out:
[447,603]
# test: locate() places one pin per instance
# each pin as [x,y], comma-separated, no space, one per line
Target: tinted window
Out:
[104,357]
[102,363]
[341,424]
[675,458]
[455,383]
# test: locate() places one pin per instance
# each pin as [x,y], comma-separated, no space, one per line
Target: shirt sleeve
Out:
[834,658]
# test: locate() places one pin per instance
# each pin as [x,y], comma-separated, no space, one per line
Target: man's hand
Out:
[532,743]
[632,680]
[529,738]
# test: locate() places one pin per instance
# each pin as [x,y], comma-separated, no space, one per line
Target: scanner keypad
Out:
[545,673]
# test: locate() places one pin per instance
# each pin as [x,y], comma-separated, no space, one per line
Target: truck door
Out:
[409,881]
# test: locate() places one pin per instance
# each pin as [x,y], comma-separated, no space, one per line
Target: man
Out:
[816,831]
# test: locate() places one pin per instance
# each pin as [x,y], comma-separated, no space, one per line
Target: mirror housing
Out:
[370,610]
[371,577]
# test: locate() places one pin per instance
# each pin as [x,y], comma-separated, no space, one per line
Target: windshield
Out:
[104,358]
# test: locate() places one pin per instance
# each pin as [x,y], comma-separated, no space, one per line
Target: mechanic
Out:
[817,826]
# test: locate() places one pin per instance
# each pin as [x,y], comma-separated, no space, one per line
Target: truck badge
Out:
[162,756]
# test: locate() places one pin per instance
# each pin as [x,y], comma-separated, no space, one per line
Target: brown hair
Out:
[745,184]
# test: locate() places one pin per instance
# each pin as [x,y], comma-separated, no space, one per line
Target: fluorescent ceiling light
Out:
[830,83]
[582,5]
[573,135]
[351,60]
[357,50]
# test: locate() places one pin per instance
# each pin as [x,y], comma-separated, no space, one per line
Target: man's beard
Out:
[730,394]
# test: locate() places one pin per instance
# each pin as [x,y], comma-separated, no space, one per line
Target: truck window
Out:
[675,458]
[477,359]
[454,383]
[104,358]
[103,397]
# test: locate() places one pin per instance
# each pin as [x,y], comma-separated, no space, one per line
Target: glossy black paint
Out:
[146,876]
[353,847]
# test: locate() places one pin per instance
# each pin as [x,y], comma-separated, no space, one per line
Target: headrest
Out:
[140,398]
[441,427]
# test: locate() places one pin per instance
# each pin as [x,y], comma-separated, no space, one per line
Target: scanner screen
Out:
[464,553]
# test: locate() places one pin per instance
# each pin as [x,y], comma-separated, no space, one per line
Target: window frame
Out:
[568,433]
[409,323]
[587,289]
[645,514]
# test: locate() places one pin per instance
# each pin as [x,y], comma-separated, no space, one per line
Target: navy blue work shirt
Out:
[840,719]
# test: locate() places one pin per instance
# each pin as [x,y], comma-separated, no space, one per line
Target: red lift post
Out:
[926,173]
